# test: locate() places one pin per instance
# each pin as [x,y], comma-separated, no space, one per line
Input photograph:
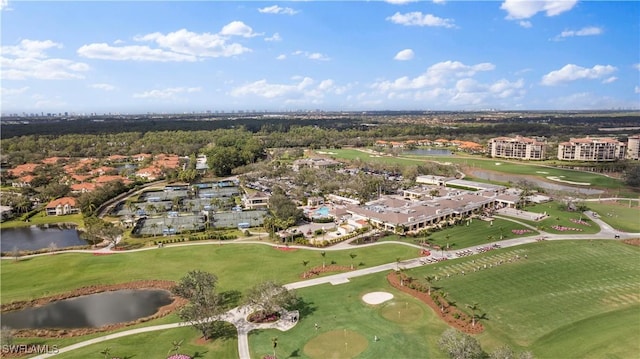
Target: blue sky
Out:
[151,56]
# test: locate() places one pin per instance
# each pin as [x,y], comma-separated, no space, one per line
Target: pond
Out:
[39,237]
[428,152]
[90,311]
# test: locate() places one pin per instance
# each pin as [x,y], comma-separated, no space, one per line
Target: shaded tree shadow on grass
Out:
[222,330]
[304,308]
[230,298]
[198,354]
[294,354]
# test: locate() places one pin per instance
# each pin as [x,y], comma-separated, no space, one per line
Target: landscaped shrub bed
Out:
[262,317]
[440,304]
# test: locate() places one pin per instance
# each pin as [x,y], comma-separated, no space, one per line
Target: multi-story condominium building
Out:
[633,147]
[591,149]
[519,147]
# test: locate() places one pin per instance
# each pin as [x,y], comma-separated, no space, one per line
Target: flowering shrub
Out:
[261,317]
[521,231]
[179,356]
[579,221]
[269,356]
[563,228]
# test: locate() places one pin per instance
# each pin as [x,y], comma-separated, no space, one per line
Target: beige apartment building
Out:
[604,149]
[522,148]
[633,147]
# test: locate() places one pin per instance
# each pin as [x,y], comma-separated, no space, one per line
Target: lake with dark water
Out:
[39,237]
[90,311]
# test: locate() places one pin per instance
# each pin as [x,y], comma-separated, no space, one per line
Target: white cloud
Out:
[404,55]
[637,89]
[136,53]
[275,37]
[441,2]
[30,48]
[303,89]
[12,92]
[105,87]
[311,55]
[264,89]
[451,84]
[181,45]
[571,72]
[29,60]
[168,93]
[437,74]
[526,24]
[585,31]
[417,18]
[184,42]
[275,9]
[238,28]
[518,9]
[4,5]
[609,80]
[281,57]
[118,42]
[636,66]
[399,2]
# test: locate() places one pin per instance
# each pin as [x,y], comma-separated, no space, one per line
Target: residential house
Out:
[257,200]
[62,206]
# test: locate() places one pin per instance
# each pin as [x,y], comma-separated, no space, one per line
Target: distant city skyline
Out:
[174,57]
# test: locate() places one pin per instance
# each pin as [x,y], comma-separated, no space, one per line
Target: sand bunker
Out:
[557,179]
[377,297]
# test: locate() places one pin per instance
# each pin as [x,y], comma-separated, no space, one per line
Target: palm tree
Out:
[176,346]
[106,352]
[473,308]
[443,298]
[501,232]
[304,264]
[154,226]
[352,255]
[429,279]
[323,254]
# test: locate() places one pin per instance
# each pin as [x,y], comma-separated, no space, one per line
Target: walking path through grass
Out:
[236,316]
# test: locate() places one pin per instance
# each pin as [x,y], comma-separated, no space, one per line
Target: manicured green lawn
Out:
[620,216]
[511,167]
[238,266]
[561,288]
[159,344]
[559,216]
[566,299]
[41,218]
[411,333]
[477,233]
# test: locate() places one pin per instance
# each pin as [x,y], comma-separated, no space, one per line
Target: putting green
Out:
[401,312]
[336,344]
